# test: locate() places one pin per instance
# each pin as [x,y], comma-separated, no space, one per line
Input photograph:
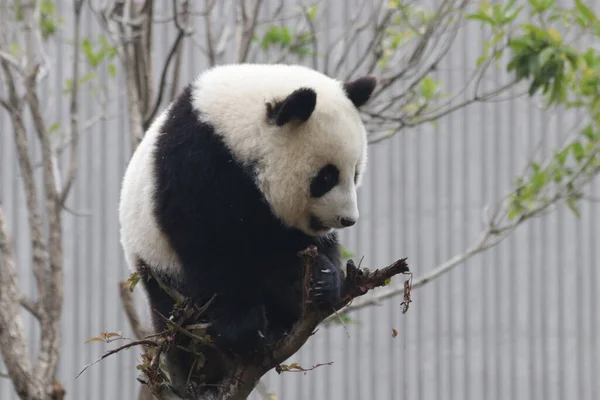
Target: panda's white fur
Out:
[139,230]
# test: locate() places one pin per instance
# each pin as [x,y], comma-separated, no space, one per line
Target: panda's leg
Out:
[283,303]
[328,276]
[159,301]
[238,322]
[178,362]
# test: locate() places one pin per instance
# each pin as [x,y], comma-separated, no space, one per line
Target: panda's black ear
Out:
[359,91]
[299,105]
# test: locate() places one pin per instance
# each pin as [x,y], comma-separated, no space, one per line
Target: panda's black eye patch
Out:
[324,181]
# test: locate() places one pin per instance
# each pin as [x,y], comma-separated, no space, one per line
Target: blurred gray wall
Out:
[516,322]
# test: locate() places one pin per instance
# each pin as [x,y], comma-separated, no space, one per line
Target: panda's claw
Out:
[328,282]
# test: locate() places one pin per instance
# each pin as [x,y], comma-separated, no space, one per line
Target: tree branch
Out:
[4,103]
[50,275]
[175,49]
[31,306]
[39,251]
[74,112]
[134,320]
[10,60]
[246,29]
[12,333]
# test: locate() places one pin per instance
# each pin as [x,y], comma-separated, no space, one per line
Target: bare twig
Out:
[138,330]
[4,103]
[246,27]
[74,113]
[31,306]
[313,38]
[148,343]
[209,5]
[175,49]
[10,60]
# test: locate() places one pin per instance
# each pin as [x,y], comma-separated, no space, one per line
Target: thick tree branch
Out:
[52,299]
[13,344]
[39,250]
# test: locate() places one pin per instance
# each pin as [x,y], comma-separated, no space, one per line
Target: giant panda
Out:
[249,165]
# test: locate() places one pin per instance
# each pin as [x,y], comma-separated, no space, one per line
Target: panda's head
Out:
[319,154]
[302,133]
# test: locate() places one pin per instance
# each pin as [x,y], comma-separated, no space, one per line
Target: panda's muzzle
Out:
[317,225]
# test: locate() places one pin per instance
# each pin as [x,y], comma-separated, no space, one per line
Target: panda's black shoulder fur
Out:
[220,225]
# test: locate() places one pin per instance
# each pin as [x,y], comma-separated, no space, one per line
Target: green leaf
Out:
[54,127]
[312,12]
[578,151]
[482,17]
[112,70]
[429,86]
[87,77]
[276,35]
[588,132]
[539,179]
[345,254]
[571,203]
[585,12]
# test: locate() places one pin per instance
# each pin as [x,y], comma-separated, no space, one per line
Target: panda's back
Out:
[141,235]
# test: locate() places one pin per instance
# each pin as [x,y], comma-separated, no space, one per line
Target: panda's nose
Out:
[346,222]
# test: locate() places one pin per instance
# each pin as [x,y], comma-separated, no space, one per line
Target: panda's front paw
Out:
[327,284]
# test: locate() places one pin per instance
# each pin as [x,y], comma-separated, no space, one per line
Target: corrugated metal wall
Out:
[516,322]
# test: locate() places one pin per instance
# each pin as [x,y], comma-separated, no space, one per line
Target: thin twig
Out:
[74,112]
[148,343]
[175,48]
[247,28]
[31,306]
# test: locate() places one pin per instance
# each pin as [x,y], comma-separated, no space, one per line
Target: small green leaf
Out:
[53,127]
[345,254]
[578,151]
[312,12]
[573,207]
[428,87]
[585,12]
